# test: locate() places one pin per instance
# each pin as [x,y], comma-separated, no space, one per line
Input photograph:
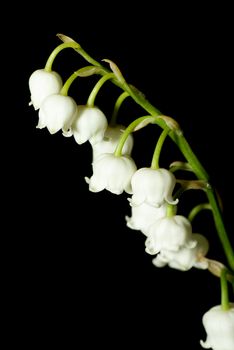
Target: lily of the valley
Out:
[43,84]
[89,125]
[169,233]
[219,326]
[112,173]
[153,187]
[144,215]
[185,258]
[57,112]
[110,141]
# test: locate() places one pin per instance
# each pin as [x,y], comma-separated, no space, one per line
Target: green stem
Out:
[158,148]
[127,132]
[220,227]
[189,155]
[97,87]
[50,60]
[76,74]
[224,291]
[171,210]
[87,57]
[117,105]
[196,210]
[182,144]
[136,95]
[67,84]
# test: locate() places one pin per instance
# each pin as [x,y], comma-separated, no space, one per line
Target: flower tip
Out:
[93,188]
[150,251]
[52,131]
[172,202]
[127,218]
[79,140]
[87,180]
[205,345]
[67,133]
[34,106]
[40,125]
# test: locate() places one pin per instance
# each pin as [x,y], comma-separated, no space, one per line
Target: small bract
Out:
[43,84]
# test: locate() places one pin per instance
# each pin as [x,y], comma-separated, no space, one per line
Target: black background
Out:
[79,275]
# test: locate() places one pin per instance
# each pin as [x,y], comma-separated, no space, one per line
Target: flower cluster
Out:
[154,201]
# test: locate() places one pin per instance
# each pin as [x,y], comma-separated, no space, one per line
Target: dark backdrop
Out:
[79,275]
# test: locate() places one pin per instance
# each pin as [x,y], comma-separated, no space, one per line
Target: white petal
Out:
[43,84]
[144,215]
[219,326]
[89,125]
[159,261]
[40,125]
[57,112]
[67,133]
[153,186]
[170,233]
[205,344]
[112,173]
[87,180]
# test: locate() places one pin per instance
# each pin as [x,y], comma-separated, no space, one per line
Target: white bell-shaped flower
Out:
[152,186]
[219,326]
[89,125]
[169,233]
[144,215]
[57,112]
[112,173]
[43,84]
[185,258]
[110,142]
